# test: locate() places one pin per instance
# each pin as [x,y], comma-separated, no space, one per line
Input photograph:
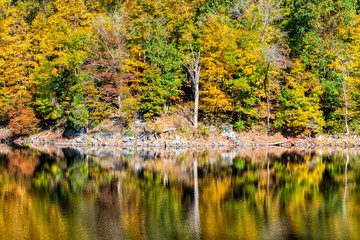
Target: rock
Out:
[301,144]
[227,131]
[212,128]
[150,136]
[155,144]
[184,142]
[140,136]
[224,134]
[238,143]
[80,130]
[97,137]
[177,137]
[175,143]
[106,136]
[128,138]
[228,128]
[69,132]
[232,136]
[85,137]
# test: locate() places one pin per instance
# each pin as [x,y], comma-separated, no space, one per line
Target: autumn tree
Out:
[194,68]
[58,46]
[163,56]
[16,60]
[108,47]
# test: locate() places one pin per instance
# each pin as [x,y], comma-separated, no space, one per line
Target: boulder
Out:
[227,130]
[106,136]
[97,137]
[232,136]
[212,128]
[128,138]
[155,144]
[69,132]
[85,137]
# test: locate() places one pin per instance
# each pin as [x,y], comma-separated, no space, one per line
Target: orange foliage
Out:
[23,121]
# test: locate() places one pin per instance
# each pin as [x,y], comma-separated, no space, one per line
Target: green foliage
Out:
[165,56]
[83,61]
[240,125]
[79,115]
[152,100]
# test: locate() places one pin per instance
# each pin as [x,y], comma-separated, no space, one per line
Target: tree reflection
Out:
[268,193]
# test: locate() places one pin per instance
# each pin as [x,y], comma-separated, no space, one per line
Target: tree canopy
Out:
[289,65]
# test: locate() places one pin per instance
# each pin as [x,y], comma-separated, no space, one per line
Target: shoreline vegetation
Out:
[180,72]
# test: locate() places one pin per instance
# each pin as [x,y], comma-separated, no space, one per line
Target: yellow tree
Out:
[218,55]
[345,62]
[346,69]
[271,49]
[16,64]
[59,50]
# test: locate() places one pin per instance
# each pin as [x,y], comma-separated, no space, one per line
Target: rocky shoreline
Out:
[85,140]
[137,136]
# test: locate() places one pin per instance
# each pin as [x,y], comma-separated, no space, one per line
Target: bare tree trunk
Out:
[194,69]
[118,88]
[346,110]
[119,96]
[166,107]
[259,102]
[196,109]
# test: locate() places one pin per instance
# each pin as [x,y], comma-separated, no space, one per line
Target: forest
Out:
[287,65]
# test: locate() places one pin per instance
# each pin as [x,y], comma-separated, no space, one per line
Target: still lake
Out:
[264,193]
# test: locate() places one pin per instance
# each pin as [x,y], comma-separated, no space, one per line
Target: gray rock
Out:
[177,137]
[212,128]
[155,144]
[232,136]
[238,143]
[141,136]
[107,136]
[137,123]
[128,139]
[85,137]
[150,136]
[228,128]
[97,137]
[175,143]
[224,134]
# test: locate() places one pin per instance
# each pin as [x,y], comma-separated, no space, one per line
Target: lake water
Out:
[265,193]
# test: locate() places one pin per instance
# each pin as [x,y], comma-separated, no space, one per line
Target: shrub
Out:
[23,122]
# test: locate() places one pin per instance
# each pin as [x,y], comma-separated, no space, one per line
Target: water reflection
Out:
[196,201]
[270,193]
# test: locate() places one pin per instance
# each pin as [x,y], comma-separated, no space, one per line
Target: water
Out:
[273,193]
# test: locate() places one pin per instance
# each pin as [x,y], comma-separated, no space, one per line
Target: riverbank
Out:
[171,140]
[171,132]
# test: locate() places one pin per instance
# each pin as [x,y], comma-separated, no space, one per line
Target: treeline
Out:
[290,65]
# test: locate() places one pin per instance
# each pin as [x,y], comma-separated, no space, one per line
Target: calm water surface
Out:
[50,193]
